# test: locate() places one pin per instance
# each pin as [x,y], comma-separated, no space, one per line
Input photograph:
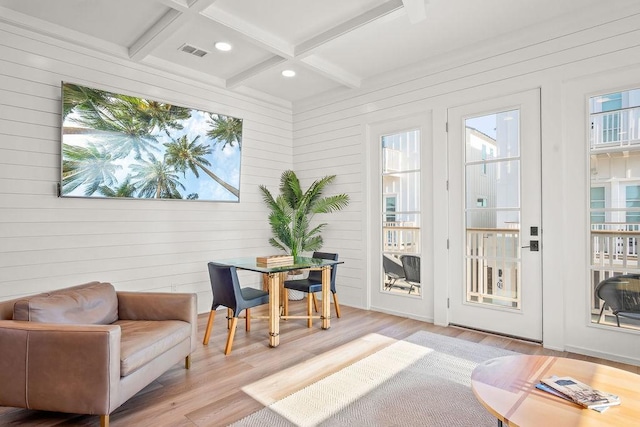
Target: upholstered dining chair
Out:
[228,293]
[411,267]
[313,284]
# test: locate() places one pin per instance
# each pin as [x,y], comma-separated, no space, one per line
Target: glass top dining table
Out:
[275,281]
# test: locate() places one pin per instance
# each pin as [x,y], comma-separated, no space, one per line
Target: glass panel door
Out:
[494,163]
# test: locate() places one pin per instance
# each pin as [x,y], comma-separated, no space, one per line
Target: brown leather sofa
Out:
[87,349]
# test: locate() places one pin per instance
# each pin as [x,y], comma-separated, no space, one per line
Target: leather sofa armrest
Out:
[60,367]
[160,306]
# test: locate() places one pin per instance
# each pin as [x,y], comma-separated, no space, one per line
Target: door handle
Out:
[533,246]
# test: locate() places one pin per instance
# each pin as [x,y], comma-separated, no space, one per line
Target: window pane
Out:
[614,151]
[494,136]
[500,185]
[401,207]
[492,209]
[401,152]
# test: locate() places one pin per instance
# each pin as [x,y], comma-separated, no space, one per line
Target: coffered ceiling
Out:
[332,45]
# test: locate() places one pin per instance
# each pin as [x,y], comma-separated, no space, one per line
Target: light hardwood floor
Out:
[209,394]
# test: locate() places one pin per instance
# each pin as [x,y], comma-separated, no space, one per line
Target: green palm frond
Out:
[331,203]
[91,166]
[226,130]
[292,211]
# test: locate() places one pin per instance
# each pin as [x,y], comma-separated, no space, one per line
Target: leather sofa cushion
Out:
[92,303]
[145,340]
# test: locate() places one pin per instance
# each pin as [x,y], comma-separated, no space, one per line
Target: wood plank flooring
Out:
[209,394]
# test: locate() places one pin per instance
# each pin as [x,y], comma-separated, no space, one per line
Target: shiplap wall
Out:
[330,134]
[48,242]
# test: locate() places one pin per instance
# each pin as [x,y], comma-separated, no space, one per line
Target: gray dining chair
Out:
[313,284]
[228,293]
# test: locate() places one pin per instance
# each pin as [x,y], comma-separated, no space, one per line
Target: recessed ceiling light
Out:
[288,73]
[223,46]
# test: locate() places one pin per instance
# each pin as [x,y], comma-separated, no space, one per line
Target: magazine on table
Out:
[581,393]
[542,386]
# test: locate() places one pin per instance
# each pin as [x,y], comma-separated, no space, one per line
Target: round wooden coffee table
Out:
[506,386]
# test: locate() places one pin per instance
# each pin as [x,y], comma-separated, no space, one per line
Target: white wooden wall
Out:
[48,242]
[330,136]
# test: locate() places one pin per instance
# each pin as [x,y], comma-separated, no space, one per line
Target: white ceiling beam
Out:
[156,35]
[331,71]
[164,28]
[254,71]
[416,10]
[179,5]
[251,33]
[59,32]
[172,67]
[307,47]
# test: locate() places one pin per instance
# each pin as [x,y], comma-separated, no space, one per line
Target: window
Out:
[390,208]
[401,205]
[614,150]
[632,201]
[597,205]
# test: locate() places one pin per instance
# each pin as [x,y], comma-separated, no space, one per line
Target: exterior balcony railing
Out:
[401,237]
[492,258]
[620,128]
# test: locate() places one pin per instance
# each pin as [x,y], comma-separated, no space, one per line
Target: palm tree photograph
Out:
[122,146]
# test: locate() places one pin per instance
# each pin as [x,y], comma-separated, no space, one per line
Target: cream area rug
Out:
[424,380]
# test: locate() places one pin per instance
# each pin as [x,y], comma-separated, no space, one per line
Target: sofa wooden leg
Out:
[187,362]
[207,333]
[104,420]
[247,319]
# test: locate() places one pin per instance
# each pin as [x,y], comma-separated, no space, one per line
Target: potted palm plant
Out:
[293,209]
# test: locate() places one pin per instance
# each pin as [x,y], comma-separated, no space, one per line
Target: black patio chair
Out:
[411,267]
[393,272]
[228,293]
[622,295]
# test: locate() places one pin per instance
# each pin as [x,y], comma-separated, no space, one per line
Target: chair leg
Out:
[232,333]
[229,317]
[207,332]
[285,301]
[618,320]
[601,311]
[335,302]
[247,319]
[310,299]
[104,420]
[315,302]
[187,362]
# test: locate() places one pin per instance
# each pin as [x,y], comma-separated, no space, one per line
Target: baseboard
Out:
[402,314]
[601,355]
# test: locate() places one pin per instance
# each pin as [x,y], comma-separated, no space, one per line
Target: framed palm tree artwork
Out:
[122,146]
